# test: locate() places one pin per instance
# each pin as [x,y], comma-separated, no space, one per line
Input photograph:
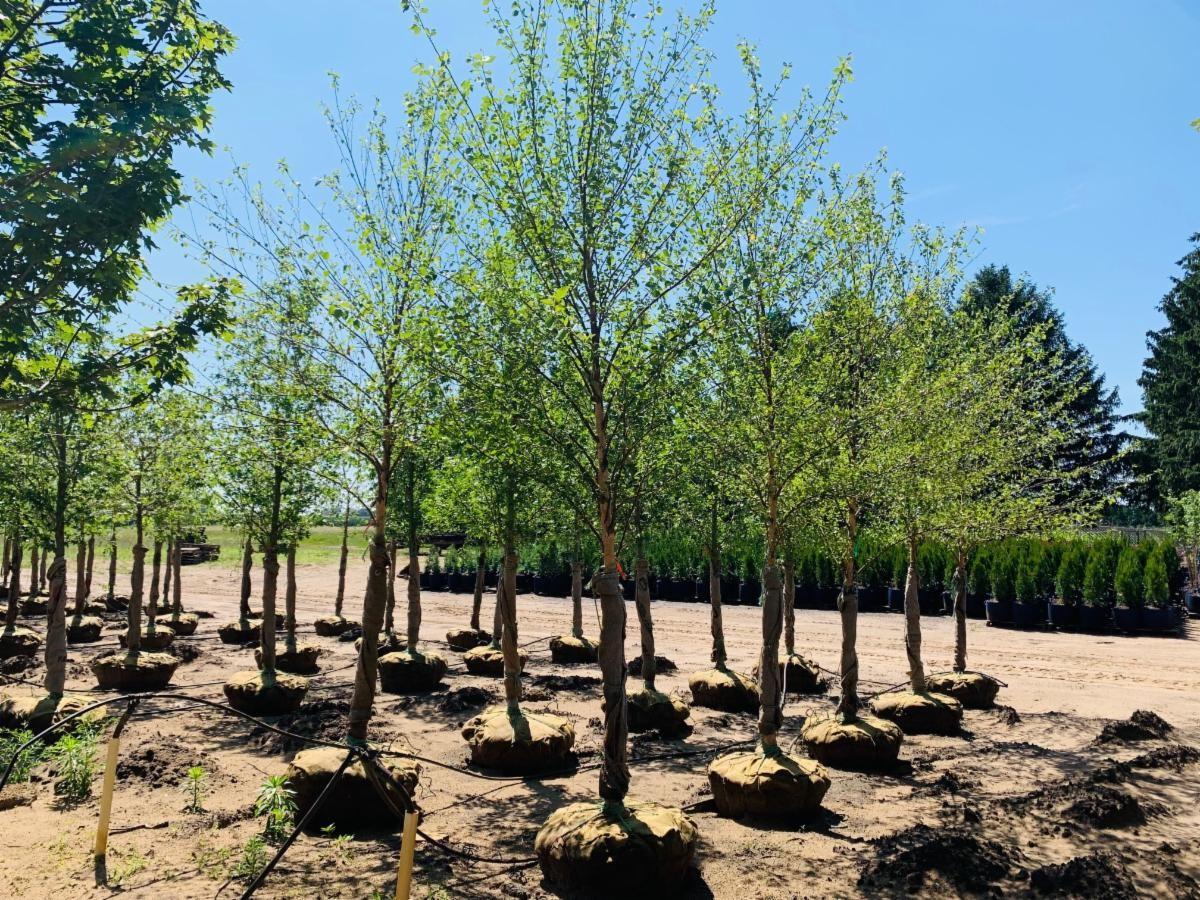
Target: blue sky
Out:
[1059,128]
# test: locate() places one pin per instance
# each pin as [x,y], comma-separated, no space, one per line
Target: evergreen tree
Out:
[1169,378]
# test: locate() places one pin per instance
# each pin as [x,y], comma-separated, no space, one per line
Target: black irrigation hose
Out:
[291,838]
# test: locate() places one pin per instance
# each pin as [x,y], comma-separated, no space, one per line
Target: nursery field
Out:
[1047,793]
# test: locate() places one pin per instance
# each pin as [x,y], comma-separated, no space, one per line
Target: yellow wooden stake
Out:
[106,794]
[408,844]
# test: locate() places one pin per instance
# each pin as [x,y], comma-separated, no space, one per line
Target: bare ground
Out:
[1027,801]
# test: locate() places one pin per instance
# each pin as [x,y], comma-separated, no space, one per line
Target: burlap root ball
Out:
[802,676]
[971,689]
[519,742]
[34,606]
[924,713]
[250,693]
[301,661]
[463,639]
[402,672]
[142,671]
[333,626]
[19,642]
[37,713]
[183,624]
[661,664]
[388,643]
[355,803]
[865,743]
[489,661]
[84,629]
[748,783]
[656,711]
[569,649]
[725,690]
[160,638]
[641,849]
[242,631]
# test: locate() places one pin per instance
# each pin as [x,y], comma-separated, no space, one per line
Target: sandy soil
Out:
[1026,800]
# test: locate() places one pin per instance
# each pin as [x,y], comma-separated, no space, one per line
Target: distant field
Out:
[320,547]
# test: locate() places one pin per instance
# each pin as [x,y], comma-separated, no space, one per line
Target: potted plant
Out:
[931,568]
[1130,584]
[454,578]
[1028,610]
[1068,587]
[872,588]
[1098,575]
[979,584]
[807,582]
[751,588]
[1157,612]
[1003,578]
[437,577]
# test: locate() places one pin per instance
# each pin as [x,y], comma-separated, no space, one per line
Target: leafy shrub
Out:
[276,800]
[1028,561]
[979,575]
[74,760]
[253,860]
[931,566]
[899,567]
[10,741]
[1156,590]
[1003,577]
[1100,573]
[1050,558]
[1130,575]
[1071,569]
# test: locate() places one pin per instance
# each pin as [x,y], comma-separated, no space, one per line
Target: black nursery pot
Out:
[828,597]
[700,592]
[870,599]
[491,578]
[437,581]
[1027,615]
[629,589]
[539,585]
[425,581]
[1094,618]
[976,606]
[1192,601]
[729,589]
[560,586]
[929,601]
[524,583]
[1127,619]
[749,591]
[457,582]
[683,590]
[895,599]
[999,612]
[1160,619]
[807,597]
[1064,615]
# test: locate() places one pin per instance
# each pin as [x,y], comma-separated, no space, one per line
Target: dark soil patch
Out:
[1007,715]
[1174,757]
[465,698]
[162,762]
[555,683]
[1143,725]
[18,664]
[661,664]
[1100,876]
[916,859]
[185,651]
[322,719]
[951,783]
[351,634]
[1105,807]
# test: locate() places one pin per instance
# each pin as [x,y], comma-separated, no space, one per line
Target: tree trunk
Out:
[960,612]
[155,571]
[770,712]
[133,640]
[7,560]
[340,599]
[847,708]
[480,576]
[89,567]
[498,610]
[912,621]
[789,606]
[374,600]
[167,572]
[270,585]
[14,585]
[80,576]
[176,579]
[413,630]
[33,570]
[645,622]
[508,641]
[389,616]
[577,599]
[716,625]
[112,564]
[56,628]
[289,600]
[247,564]
[43,570]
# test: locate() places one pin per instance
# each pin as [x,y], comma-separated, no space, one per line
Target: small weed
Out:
[10,740]
[277,802]
[212,861]
[74,758]
[194,788]
[253,859]
[342,850]
[125,866]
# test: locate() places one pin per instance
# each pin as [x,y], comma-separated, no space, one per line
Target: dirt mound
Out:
[1143,725]
[555,683]
[185,651]
[465,698]
[661,664]
[1100,876]
[323,719]
[18,664]
[918,858]
[163,762]
[1104,807]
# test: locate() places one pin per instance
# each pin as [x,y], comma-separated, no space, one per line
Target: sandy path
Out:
[1061,686]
